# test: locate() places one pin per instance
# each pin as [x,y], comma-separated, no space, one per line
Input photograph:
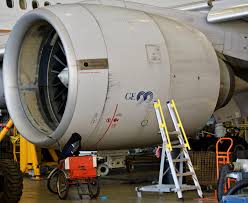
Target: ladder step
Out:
[174,133]
[180,160]
[178,146]
[185,174]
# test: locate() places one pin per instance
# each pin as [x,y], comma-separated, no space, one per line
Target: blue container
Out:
[234,199]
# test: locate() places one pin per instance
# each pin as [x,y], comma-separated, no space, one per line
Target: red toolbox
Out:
[81,167]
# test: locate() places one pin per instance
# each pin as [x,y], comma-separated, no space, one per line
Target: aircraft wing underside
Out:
[228,10]
[218,10]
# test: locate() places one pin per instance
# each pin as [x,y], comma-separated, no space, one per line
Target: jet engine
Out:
[96,70]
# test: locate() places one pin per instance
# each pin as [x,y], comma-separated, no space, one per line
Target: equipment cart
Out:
[76,171]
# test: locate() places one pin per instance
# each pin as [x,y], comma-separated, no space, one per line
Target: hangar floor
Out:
[117,187]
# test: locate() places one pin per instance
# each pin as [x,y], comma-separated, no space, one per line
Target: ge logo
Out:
[140,96]
[145,96]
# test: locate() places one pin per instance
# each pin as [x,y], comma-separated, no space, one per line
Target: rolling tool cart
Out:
[77,171]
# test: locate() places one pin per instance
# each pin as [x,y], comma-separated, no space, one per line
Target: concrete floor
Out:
[117,187]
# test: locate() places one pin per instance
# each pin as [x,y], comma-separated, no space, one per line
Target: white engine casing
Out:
[120,61]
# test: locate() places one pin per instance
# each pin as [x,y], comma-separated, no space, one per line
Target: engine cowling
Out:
[96,70]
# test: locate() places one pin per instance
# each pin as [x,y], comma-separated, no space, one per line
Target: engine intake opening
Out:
[43,94]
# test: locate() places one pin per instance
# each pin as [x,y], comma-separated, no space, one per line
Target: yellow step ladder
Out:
[167,148]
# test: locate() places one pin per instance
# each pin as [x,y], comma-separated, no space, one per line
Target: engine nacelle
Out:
[227,84]
[96,70]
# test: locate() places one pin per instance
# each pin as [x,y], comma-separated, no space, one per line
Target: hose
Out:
[238,186]
[222,180]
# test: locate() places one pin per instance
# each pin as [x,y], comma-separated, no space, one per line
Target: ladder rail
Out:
[161,170]
[191,169]
[160,114]
[181,168]
[173,173]
[165,143]
[180,124]
[160,126]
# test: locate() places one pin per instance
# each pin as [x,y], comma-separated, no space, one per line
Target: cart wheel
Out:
[102,169]
[62,185]
[129,167]
[94,188]
[52,181]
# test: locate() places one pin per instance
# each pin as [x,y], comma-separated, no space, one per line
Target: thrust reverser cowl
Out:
[96,70]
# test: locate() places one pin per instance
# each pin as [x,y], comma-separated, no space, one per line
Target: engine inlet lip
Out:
[10,72]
